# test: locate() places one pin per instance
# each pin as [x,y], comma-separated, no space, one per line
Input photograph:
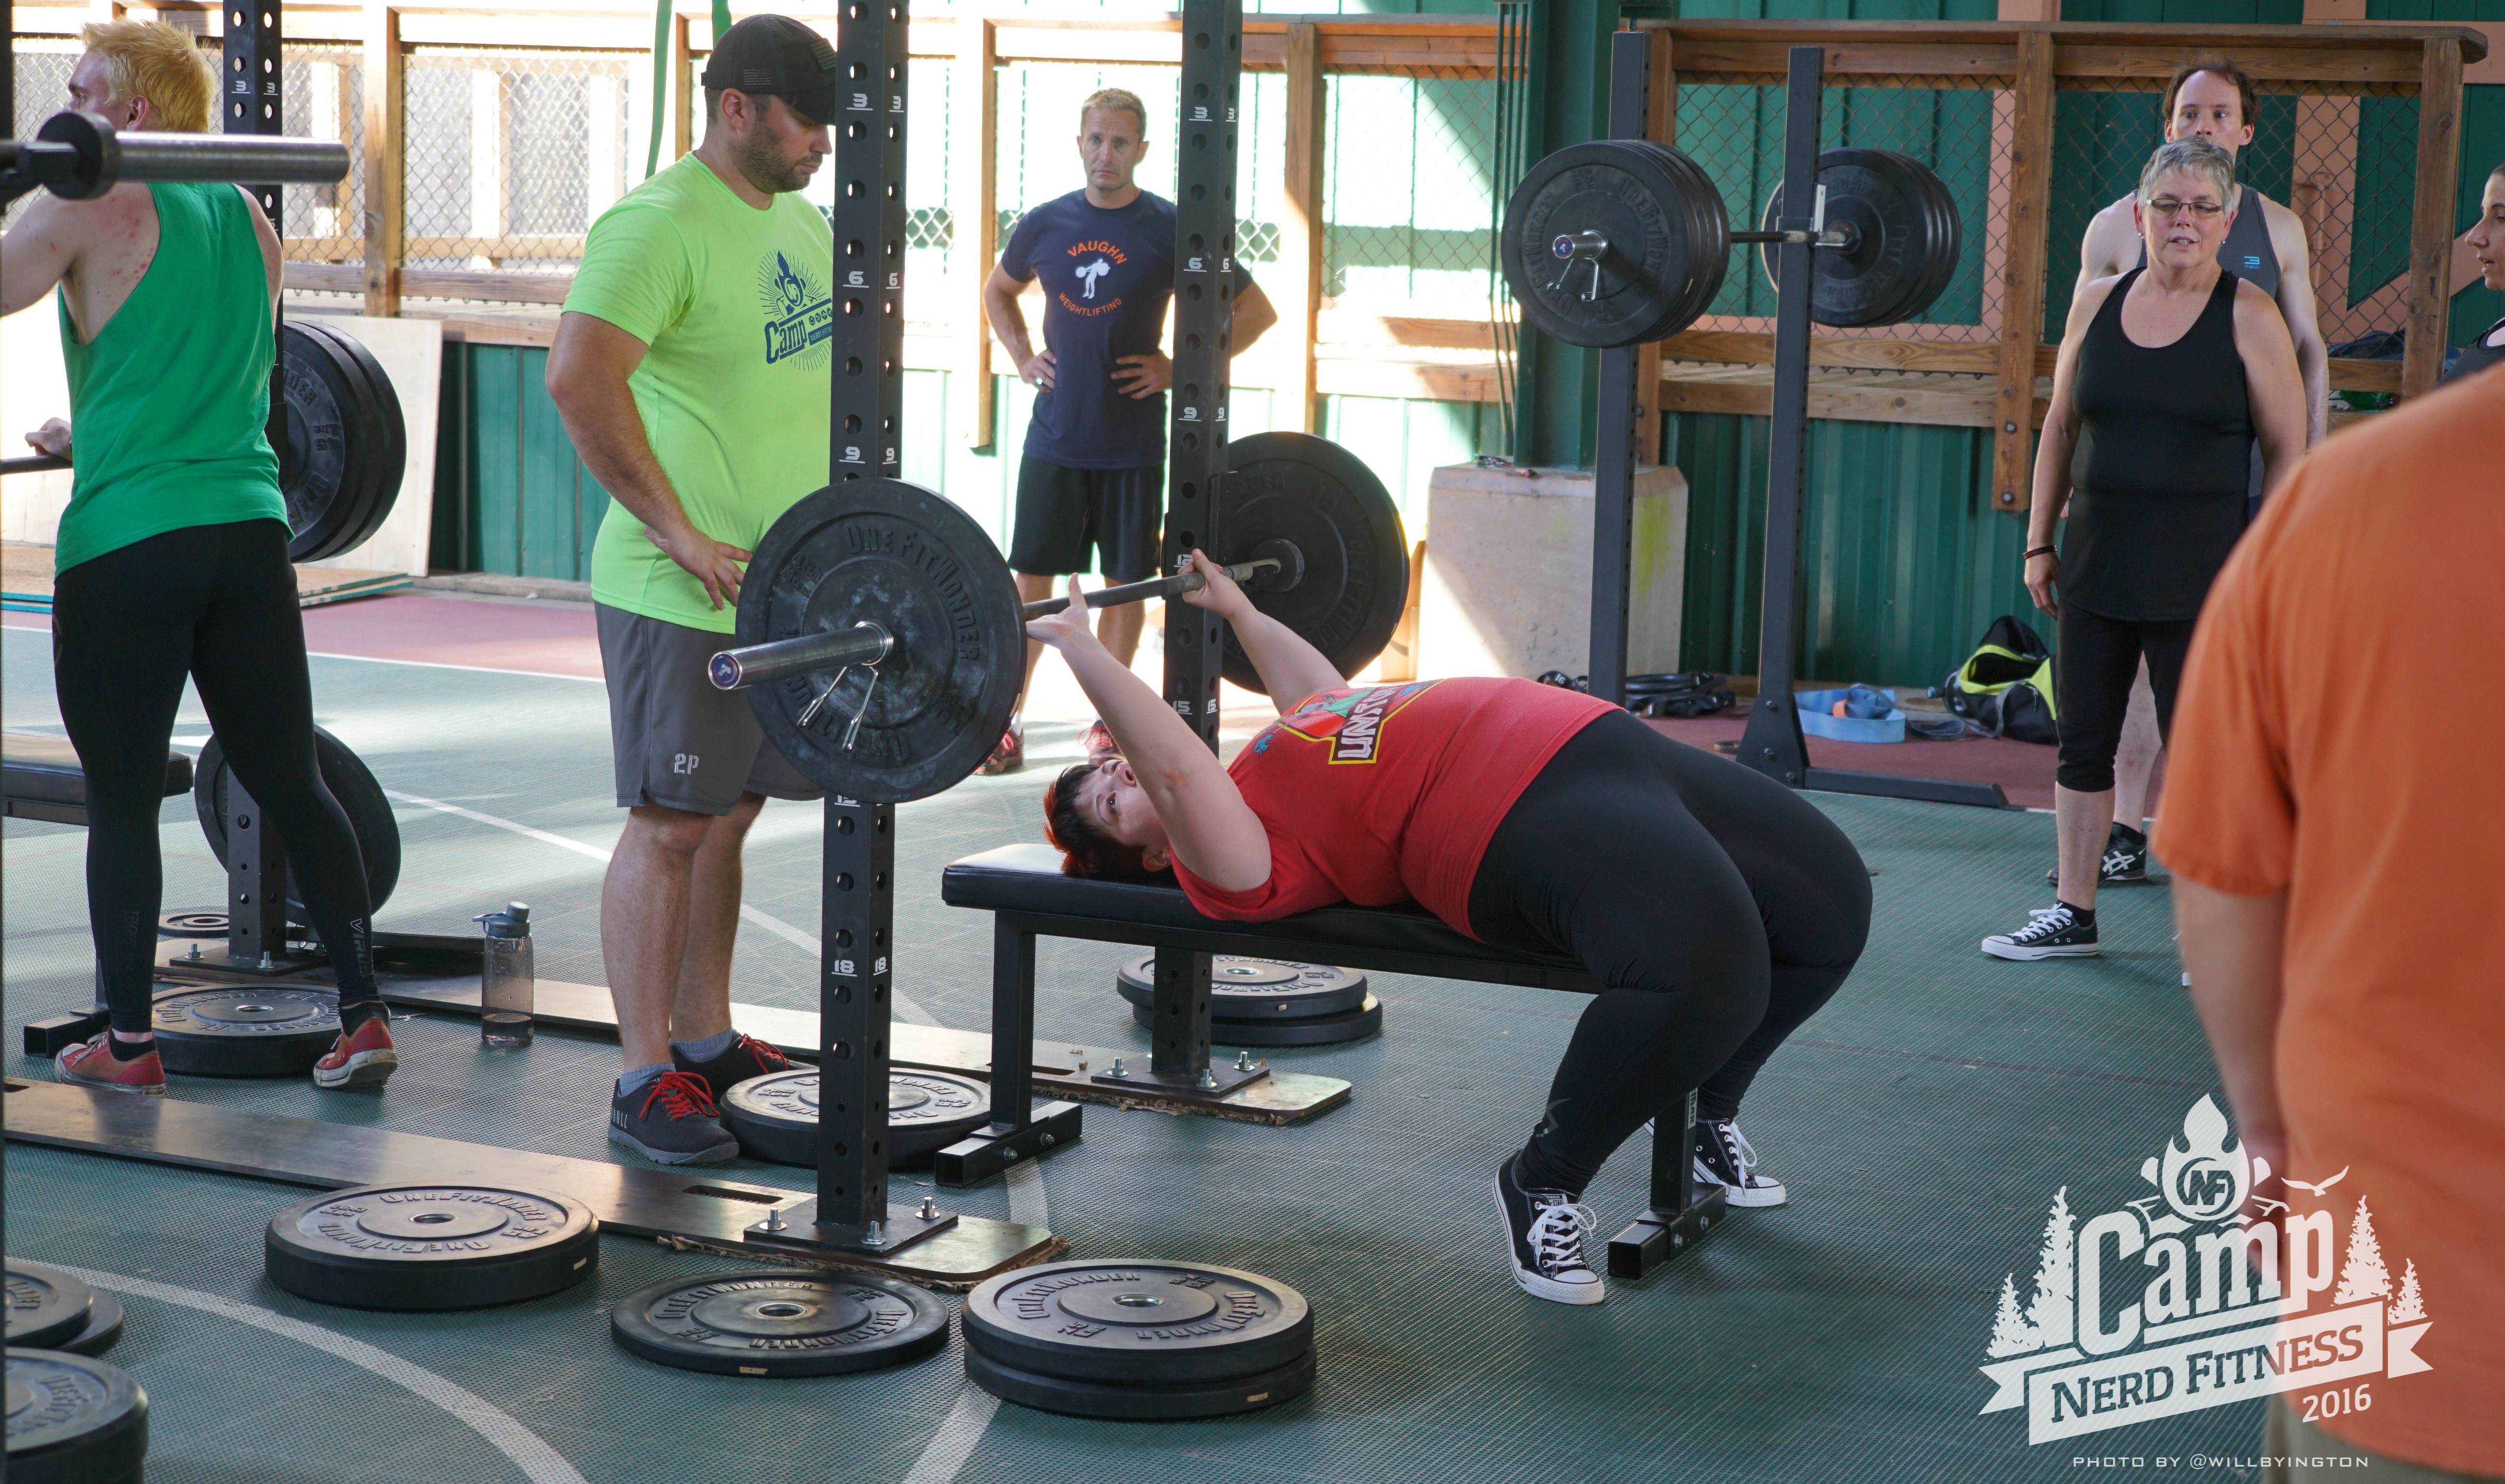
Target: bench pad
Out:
[46,771]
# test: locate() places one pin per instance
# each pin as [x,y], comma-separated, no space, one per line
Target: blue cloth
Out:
[1107,277]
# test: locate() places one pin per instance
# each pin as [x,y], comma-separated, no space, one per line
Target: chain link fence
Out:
[40,76]
[1411,186]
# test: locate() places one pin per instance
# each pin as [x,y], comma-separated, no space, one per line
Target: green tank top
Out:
[168,401]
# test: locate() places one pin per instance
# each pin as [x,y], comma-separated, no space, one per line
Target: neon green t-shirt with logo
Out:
[735,306]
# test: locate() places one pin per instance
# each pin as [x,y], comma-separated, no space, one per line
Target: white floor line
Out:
[438,664]
[538,1461]
[945,1456]
[906,1009]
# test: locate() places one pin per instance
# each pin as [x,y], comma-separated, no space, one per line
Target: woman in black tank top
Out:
[2167,376]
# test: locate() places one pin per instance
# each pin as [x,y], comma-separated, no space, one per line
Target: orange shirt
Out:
[2337,738]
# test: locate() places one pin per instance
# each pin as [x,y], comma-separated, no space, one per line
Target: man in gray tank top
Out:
[2211,98]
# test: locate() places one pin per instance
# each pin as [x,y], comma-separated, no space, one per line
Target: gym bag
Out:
[2006,686]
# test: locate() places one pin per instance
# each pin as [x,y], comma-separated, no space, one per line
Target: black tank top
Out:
[2477,356]
[2157,480]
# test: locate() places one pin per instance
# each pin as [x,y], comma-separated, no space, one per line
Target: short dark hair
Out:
[2215,66]
[1087,850]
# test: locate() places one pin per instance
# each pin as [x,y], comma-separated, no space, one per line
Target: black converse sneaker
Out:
[1724,1157]
[1543,1235]
[2056,932]
[2125,859]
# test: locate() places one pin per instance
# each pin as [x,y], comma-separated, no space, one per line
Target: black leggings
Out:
[1720,909]
[2092,678]
[217,602]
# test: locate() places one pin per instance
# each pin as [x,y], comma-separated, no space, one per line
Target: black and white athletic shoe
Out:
[1544,1236]
[2125,859]
[2056,932]
[1724,1157]
[671,1121]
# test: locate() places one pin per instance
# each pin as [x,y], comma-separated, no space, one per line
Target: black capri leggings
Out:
[1720,909]
[217,603]
[2092,677]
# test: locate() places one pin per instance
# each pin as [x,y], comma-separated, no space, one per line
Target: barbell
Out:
[1620,242]
[887,582]
[79,155]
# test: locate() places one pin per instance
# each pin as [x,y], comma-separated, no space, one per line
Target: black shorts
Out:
[1063,512]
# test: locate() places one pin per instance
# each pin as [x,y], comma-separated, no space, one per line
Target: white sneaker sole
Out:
[1766,1193]
[720,1153]
[2003,948]
[1534,1283]
[365,1069]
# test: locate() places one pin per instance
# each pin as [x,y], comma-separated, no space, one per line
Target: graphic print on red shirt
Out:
[1387,795]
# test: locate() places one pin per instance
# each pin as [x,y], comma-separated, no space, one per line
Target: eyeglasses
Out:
[2167,206]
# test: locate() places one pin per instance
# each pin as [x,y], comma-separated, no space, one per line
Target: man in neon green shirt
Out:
[690,368]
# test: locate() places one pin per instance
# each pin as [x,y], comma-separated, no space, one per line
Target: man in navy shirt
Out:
[1092,474]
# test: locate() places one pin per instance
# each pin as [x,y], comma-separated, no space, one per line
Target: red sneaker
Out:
[1098,743]
[92,1064]
[360,1058]
[1010,754]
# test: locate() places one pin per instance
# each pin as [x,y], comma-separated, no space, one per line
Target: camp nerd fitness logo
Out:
[799,314]
[2219,1323]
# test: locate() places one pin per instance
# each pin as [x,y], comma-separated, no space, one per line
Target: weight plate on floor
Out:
[1312,1031]
[1257,989]
[1136,1401]
[73,1420]
[1610,244]
[775,1117]
[1311,492]
[196,923]
[250,1030]
[1138,1322]
[431,1247]
[351,783]
[103,1328]
[1906,247]
[336,464]
[898,556]
[46,1305]
[780,1324]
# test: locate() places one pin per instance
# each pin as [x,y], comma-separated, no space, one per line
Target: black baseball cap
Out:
[778,55]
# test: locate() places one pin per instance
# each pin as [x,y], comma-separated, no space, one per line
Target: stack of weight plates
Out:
[346,443]
[452,1244]
[73,1420]
[51,1310]
[1139,1341]
[1268,1002]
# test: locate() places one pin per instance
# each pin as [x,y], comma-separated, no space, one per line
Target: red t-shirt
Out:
[1390,794]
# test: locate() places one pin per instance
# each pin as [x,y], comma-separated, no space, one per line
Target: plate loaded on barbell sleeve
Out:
[346,441]
[1613,243]
[1900,238]
[1310,500]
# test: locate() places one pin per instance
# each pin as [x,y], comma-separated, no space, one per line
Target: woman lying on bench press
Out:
[1720,909]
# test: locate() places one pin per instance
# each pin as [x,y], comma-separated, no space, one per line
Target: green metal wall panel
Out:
[527,505]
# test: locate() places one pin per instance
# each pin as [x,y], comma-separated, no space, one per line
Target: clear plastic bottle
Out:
[505,978]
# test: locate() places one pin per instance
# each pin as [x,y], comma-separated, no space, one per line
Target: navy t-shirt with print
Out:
[1107,277]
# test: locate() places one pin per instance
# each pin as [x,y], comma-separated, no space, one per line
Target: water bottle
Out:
[504,976]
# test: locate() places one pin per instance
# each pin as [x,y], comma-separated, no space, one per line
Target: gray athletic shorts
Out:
[678,742]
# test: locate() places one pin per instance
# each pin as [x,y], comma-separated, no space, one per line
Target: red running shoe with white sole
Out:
[360,1058]
[92,1064]
[1097,741]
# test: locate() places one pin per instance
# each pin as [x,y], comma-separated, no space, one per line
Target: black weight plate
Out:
[1623,191]
[1310,491]
[103,1328]
[1313,1031]
[1114,1401]
[431,1247]
[198,921]
[775,1117]
[1257,989]
[1907,249]
[385,429]
[780,1324]
[351,783]
[900,556]
[1709,230]
[1140,1321]
[246,1030]
[363,432]
[325,468]
[73,1420]
[46,1305]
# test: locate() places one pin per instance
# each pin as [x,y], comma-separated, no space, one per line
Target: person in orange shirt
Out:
[2339,857]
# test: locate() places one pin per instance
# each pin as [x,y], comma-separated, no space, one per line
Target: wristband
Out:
[2041,551]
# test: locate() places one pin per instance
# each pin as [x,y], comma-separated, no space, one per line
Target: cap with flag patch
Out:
[779,55]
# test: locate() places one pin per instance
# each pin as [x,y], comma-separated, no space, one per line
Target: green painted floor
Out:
[1923,1122]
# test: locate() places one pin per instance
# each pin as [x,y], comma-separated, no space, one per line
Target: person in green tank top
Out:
[171,560]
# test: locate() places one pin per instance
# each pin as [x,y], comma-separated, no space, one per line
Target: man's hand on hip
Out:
[1037,371]
[715,563]
[1142,377]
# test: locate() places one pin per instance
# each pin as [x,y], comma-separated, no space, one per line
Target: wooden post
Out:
[685,105]
[1297,288]
[2430,295]
[1661,125]
[386,85]
[974,109]
[2021,275]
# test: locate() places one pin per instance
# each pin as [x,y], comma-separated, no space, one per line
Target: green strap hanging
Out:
[661,11]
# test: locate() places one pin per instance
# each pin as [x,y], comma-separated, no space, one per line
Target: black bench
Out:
[40,778]
[1028,896]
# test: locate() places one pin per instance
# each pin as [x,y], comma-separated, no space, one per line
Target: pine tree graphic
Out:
[2049,1309]
[2409,1308]
[2361,1274]
[2011,1334]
